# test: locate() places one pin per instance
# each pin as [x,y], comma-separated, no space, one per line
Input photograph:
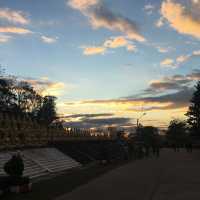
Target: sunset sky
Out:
[107,61]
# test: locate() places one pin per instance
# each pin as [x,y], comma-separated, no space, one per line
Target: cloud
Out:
[4,38]
[167,62]
[48,40]
[93,50]
[175,100]
[163,99]
[163,85]
[171,86]
[131,47]
[196,53]
[104,18]
[182,58]
[173,83]
[184,19]
[101,17]
[168,93]
[160,22]
[14,30]
[149,8]
[161,47]
[55,89]
[166,85]
[98,122]
[88,115]
[46,87]
[108,121]
[13,16]
[195,75]
[111,43]
[116,42]
[82,4]
[162,50]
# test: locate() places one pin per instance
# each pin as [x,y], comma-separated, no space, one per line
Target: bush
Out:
[15,166]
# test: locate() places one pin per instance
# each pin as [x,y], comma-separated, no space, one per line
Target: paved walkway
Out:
[173,176]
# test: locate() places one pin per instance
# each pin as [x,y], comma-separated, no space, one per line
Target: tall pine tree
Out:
[194,111]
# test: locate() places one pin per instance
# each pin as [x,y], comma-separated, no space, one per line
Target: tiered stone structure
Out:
[18,131]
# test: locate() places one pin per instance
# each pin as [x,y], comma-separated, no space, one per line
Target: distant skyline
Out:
[107,61]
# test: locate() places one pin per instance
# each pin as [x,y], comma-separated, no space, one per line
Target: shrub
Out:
[15,166]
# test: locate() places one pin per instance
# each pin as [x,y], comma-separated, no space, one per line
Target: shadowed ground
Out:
[173,176]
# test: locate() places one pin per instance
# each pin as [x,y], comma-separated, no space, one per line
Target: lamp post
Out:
[143,114]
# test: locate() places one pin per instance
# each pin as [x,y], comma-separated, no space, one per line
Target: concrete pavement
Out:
[173,176]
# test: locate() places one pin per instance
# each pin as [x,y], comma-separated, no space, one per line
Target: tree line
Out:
[19,98]
[181,131]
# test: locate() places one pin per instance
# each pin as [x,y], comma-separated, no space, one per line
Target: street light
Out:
[143,114]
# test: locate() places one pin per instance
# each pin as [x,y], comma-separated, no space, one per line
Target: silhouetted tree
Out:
[36,104]
[7,98]
[47,112]
[194,111]
[20,98]
[176,132]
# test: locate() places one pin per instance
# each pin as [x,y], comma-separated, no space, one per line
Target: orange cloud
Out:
[168,62]
[93,50]
[15,30]
[116,42]
[162,49]
[13,16]
[55,89]
[120,41]
[181,18]
[82,4]
[46,87]
[112,43]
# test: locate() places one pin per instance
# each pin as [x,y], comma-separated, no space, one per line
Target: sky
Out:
[107,61]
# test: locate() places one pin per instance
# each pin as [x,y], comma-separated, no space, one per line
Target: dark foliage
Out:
[21,99]
[15,166]
[177,132]
[194,112]
[47,112]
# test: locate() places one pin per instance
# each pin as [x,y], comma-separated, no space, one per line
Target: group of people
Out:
[145,151]
[188,146]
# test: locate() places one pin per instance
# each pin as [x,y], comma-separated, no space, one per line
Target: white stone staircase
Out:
[41,161]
